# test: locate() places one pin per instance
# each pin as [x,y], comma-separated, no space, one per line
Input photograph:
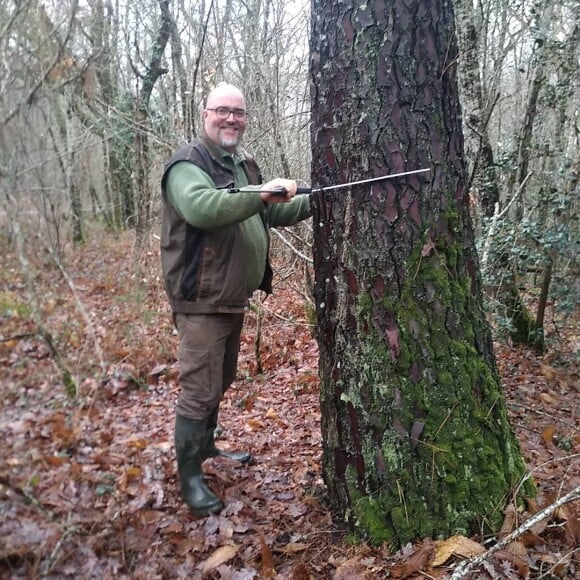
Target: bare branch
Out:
[50,69]
[69,382]
[465,567]
[289,244]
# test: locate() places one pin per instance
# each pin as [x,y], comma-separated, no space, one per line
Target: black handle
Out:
[281,191]
[299,191]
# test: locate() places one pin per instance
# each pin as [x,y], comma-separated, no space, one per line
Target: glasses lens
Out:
[224,113]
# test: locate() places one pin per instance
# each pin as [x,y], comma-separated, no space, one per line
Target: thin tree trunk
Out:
[482,181]
[154,71]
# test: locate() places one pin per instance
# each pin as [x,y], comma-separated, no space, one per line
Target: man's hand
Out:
[286,188]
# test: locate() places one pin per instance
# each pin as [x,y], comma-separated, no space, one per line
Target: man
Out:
[214,254]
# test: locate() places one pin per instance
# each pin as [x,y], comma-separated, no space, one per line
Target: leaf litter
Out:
[88,487]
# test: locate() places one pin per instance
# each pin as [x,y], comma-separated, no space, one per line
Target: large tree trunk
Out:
[416,436]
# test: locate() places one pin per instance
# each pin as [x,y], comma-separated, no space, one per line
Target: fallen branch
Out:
[466,567]
[17,337]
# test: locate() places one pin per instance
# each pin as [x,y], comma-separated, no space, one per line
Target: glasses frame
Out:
[225,112]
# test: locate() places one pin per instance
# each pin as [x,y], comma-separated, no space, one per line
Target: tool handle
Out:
[280,191]
[299,191]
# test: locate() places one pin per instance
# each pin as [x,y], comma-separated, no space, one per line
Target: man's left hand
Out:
[285,190]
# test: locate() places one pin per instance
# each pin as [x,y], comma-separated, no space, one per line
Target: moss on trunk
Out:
[416,439]
[438,453]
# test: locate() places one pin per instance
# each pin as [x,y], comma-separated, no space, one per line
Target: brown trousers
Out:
[208,359]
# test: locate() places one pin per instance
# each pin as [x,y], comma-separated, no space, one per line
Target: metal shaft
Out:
[361,182]
[340,185]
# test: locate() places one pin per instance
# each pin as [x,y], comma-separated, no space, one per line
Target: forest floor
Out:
[88,486]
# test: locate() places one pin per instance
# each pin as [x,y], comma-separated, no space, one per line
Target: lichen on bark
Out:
[416,440]
[438,452]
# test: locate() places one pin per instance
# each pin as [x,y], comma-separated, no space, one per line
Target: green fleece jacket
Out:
[193,194]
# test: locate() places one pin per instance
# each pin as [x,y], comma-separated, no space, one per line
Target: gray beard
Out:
[225,143]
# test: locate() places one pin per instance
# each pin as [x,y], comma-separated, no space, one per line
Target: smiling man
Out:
[224,117]
[214,255]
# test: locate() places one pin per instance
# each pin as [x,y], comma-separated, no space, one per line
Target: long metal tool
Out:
[302,190]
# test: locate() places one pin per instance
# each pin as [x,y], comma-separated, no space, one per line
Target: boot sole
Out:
[207,511]
[246,461]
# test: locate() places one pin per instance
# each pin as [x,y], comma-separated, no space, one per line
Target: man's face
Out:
[225,128]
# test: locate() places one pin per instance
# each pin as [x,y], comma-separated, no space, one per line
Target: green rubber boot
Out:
[189,442]
[210,449]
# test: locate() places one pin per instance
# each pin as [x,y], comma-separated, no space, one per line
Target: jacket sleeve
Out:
[288,214]
[193,194]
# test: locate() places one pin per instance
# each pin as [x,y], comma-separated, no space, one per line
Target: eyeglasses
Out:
[224,113]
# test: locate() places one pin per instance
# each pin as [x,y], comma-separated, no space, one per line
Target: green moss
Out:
[371,522]
[445,380]
[465,459]
[11,304]
[405,357]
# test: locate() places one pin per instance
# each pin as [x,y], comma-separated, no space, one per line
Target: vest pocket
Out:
[207,273]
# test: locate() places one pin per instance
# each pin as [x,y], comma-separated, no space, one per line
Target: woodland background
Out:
[94,97]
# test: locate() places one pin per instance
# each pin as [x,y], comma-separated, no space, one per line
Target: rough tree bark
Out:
[482,179]
[119,194]
[416,439]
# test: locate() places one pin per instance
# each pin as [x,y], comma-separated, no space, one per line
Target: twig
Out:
[21,103]
[296,251]
[287,320]
[67,378]
[81,308]
[68,530]
[552,417]
[17,336]
[52,559]
[464,568]
[564,558]
[22,493]
[497,215]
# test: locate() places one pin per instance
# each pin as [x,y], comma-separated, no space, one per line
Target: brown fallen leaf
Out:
[222,555]
[293,547]
[255,424]
[548,434]
[522,568]
[549,372]
[548,398]
[456,546]
[299,572]
[517,548]
[509,521]
[419,558]
[351,569]
[268,570]
[55,460]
